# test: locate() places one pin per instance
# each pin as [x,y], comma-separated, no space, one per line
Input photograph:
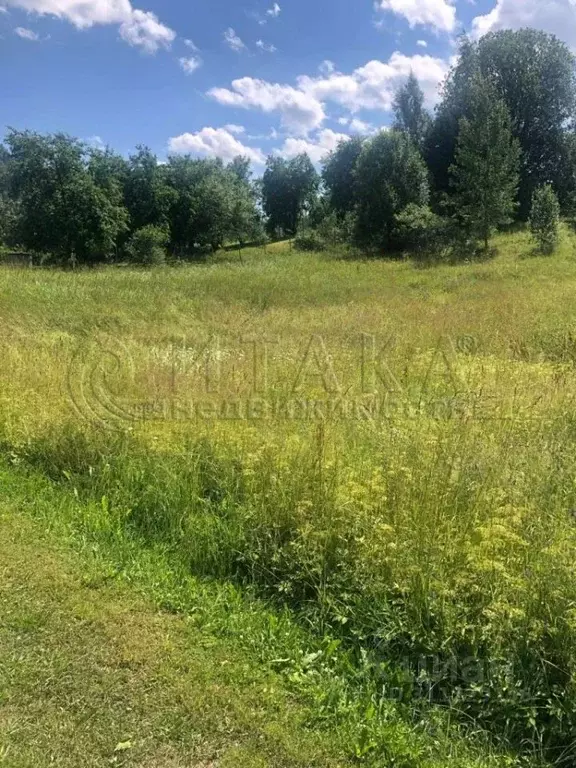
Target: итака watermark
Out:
[254,379]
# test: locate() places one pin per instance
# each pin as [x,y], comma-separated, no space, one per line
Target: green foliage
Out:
[309,239]
[420,230]
[331,231]
[147,246]
[477,618]
[545,219]
[62,209]
[147,193]
[68,202]
[338,174]
[289,189]
[485,176]
[411,117]
[534,73]
[390,175]
[213,204]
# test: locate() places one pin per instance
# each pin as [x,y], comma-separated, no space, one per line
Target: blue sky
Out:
[226,76]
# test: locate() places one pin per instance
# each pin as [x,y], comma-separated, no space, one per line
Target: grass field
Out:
[299,510]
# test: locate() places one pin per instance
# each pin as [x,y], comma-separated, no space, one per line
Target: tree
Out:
[288,190]
[545,218]
[338,174]
[8,206]
[62,209]
[245,219]
[440,146]
[411,117]
[534,73]
[147,246]
[390,174]
[485,176]
[240,167]
[147,193]
[212,203]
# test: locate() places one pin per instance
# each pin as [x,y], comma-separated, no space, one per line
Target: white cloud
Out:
[373,85]
[316,148]
[555,16]
[138,28]
[82,13]
[438,14]
[190,44]
[214,142]
[327,67]
[302,108]
[233,128]
[300,112]
[233,41]
[27,34]
[96,142]
[357,126]
[190,64]
[274,11]
[145,30]
[422,43]
[267,47]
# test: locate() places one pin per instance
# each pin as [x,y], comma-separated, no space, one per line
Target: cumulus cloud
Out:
[357,126]
[214,142]
[137,28]
[438,14]
[373,85]
[27,34]
[299,112]
[144,30]
[266,47]
[190,64]
[233,41]
[302,108]
[422,43]
[233,128]
[82,13]
[316,148]
[555,16]
[274,11]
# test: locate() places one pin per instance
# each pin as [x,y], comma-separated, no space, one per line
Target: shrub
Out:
[419,229]
[309,240]
[545,219]
[147,246]
[329,232]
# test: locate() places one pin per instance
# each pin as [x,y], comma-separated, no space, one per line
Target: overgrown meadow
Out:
[386,451]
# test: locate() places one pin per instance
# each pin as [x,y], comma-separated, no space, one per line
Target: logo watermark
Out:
[270,379]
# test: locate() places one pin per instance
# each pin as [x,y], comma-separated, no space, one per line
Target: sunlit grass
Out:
[438,526]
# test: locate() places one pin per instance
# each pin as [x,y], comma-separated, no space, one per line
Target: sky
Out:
[218,78]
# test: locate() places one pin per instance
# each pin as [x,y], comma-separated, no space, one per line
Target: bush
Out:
[545,219]
[309,240]
[147,246]
[419,229]
[329,232]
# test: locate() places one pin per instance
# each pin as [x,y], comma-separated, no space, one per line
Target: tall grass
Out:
[435,541]
[446,555]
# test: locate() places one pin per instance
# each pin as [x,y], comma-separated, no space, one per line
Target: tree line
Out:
[500,147]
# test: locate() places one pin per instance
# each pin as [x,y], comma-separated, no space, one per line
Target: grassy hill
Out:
[298,510]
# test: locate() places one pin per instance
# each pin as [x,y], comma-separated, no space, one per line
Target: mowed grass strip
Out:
[98,677]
